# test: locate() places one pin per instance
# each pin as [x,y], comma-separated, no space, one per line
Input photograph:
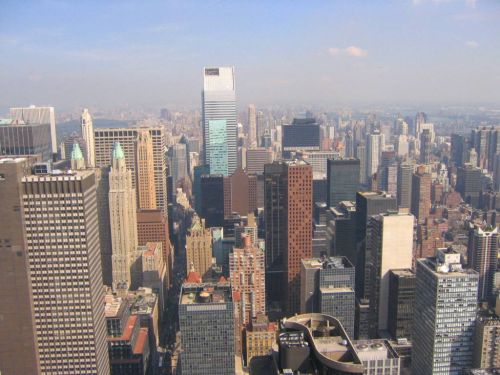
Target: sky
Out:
[113,53]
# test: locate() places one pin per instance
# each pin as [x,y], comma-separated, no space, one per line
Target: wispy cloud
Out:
[352,51]
[472,44]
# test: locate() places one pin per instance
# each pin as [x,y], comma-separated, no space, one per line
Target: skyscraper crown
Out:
[76,152]
[118,151]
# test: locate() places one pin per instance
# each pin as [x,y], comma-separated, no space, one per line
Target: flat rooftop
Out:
[9,160]
[374,350]
[112,306]
[403,272]
[327,263]
[142,303]
[193,294]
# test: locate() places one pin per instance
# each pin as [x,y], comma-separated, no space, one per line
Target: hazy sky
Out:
[74,53]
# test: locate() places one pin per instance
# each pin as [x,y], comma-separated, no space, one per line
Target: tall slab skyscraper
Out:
[288,228]
[17,325]
[145,170]
[37,115]
[445,315]
[123,220]
[87,128]
[62,238]
[220,131]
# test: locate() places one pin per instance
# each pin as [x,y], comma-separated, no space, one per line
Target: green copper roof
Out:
[76,152]
[118,152]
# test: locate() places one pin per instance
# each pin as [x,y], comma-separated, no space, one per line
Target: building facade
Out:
[288,220]
[391,246]
[247,274]
[87,128]
[482,256]
[445,314]
[105,139]
[37,115]
[199,248]
[342,180]
[123,220]
[206,322]
[220,131]
[60,216]
[144,161]
[17,326]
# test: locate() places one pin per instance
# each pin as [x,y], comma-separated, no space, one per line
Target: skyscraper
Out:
[252,125]
[152,226]
[401,303]
[360,153]
[459,146]
[178,162]
[144,161]
[391,244]
[469,184]
[425,146]
[486,345]
[212,200]
[17,326]
[327,287]
[87,129]
[421,194]
[247,274]
[206,322]
[342,180]
[257,158]
[302,134]
[23,138]
[60,216]
[199,248]
[375,143]
[123,220]
[405,172]
[288,220]
[367,205]
[105,139]
[220,131]
[482,255]
[37,115]
[445,313]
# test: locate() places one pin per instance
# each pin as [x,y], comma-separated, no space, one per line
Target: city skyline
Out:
[311,203]
[420,52]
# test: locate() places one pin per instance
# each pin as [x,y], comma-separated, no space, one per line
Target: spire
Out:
[77,160]
[118,152]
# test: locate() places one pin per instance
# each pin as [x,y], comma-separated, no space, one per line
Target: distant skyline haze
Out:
[128,53]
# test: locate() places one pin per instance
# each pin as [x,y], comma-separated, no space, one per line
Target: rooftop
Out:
[193,294]
[403,272]
[113,306]
[141,341]
[374,350]
[328,338]
[327,263]
[12,160]
[127,331]
[143,302]
[447,261]
[375,194]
